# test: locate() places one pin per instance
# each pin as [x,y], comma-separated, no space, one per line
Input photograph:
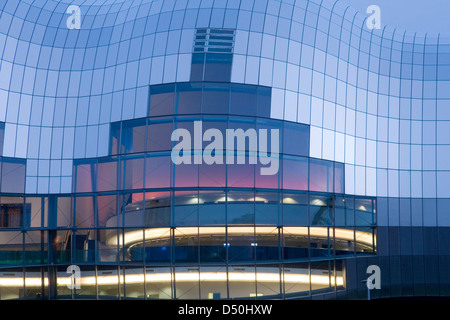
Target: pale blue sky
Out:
[431,16]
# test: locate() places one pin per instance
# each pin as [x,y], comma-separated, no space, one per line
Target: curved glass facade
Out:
[334,154]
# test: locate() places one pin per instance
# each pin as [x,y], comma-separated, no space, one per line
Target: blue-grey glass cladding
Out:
[87,179]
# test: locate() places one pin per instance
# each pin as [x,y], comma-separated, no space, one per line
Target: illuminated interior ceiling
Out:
[135,237]
[264,275]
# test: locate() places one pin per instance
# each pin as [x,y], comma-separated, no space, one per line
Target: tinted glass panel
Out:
[162,100]
[159,136]
[189,98]
[85,176]
[13,177]
[133,136]
[158,172]
[295,173]
[216,99]
[115,138]
[321,175]
[296,139]
[218,67]
[264,102]
[243,100]
[295,209]
[198,63]
[132,173]
[320,214]
[107,176]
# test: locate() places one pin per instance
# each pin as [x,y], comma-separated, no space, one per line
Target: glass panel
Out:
[266,208]
[11,247]
[319,211]
[320,175]
[107,211]
[365,240]
[84,212]
[339,177]
[186,175]
[271,181]
[34,247]
[187,283]
[241,244]
[186,245]
[159,136]
[84,245]
[63,280]
[88,285]
[157,245]
[218,67]
[61,249]
[268,281]
[241,175]
[242,281]
[295,209]
[133,209]
[45,212]
[107,176]
[13,177]
[134,282]
[320,242]
[344,242]
[157,172]
[248,127]
[295,173]
[343,211]
[186,208]
[12,213]
[295,243]
[34,209]
[85,177]
[133,136]
[158,283]
[267,243]
[115,137]
[296,279]
[34,286]
[216,99]
[64,212]
[295,139]
[212,244]
[264,101]
[132,173]
[190,96]
[2,136]
[107,245]
[157,209]
[212,208]
[107,282]
[364,212]
[198,64]
[213,283]
[162,100]
[243,100]
[131,245]
[339,267]
[212,175]
[241,208]
[321,276]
